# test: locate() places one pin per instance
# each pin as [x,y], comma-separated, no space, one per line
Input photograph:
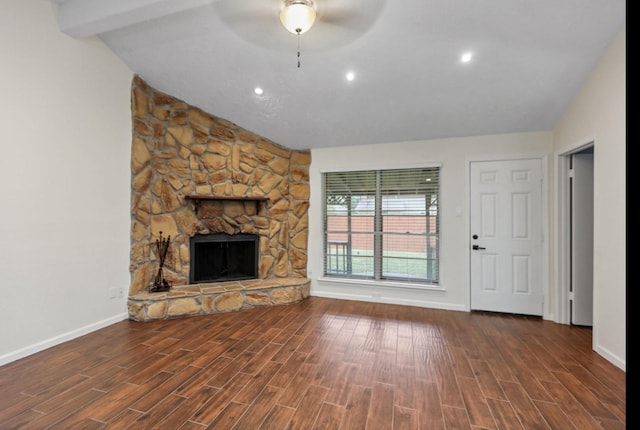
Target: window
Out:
[382,224]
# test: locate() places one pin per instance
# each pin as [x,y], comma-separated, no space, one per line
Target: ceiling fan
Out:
[337,22]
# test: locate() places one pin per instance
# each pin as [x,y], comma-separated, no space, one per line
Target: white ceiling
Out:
[530,59]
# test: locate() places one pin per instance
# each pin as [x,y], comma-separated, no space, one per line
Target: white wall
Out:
[454,155]
[598,114]
[65,127]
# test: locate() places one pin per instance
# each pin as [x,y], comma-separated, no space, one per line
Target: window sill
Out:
[373,283]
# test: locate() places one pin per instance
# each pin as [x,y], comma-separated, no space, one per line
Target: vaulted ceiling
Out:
[529,58]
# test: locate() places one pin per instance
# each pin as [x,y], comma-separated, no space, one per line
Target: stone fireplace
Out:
[200,180]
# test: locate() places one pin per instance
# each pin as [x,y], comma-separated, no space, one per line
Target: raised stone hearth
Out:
[211,298]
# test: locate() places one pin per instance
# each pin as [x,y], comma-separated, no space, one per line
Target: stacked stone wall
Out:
[178,151]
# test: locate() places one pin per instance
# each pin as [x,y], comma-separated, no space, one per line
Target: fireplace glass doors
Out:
[222,257]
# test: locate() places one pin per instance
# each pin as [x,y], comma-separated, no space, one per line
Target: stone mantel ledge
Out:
[217,297]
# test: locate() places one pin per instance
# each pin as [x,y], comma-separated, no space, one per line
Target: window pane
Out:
[404,267]
[350,257]
[362,255]
[349,235]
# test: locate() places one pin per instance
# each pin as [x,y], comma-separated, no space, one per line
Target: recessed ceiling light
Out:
[466,57]
[351,76]
[258,91]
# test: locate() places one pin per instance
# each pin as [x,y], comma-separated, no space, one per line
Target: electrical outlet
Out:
[120,292]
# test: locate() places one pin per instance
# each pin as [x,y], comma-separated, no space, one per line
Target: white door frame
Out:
[563,232]
[547,313]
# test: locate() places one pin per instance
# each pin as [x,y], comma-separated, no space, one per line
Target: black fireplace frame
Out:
[214,239]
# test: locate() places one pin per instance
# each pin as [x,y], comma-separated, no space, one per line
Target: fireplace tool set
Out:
[160,283]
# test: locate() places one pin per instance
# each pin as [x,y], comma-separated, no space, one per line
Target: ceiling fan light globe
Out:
[297,16]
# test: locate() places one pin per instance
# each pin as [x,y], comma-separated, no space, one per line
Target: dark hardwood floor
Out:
[320,364]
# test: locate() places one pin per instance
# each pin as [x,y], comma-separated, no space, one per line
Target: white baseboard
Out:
[57,340]
[388,300]
[612,358]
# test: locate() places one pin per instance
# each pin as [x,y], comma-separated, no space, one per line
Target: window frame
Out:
[432,277]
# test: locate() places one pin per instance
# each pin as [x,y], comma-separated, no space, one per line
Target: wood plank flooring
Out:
[320,364]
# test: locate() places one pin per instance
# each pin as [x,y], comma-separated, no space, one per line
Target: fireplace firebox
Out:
[223,257]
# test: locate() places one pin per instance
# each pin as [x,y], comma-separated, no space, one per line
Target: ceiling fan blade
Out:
[360,14]
[235,12]
[256,21]
[338,22]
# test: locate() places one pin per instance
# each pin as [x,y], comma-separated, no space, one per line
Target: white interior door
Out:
[506,236]
[582,239]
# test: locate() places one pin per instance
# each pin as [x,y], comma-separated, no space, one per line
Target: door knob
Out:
[476,247]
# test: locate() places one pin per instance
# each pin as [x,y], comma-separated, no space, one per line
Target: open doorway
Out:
[575,289]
